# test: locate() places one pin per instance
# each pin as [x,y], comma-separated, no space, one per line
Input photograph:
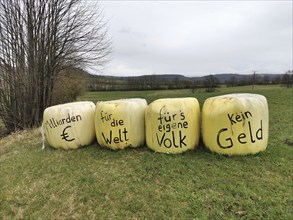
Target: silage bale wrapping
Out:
[120,123]
[69,126]
[173,125]
[236,124]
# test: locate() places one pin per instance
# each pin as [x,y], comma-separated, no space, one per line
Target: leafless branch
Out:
[38,39]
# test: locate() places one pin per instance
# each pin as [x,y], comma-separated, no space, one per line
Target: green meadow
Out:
[99,183]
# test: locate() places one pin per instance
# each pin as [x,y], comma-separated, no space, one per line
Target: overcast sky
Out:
[196,38]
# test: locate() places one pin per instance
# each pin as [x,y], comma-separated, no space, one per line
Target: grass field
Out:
[97,183]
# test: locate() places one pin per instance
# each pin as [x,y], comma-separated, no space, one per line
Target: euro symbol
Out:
[65,136]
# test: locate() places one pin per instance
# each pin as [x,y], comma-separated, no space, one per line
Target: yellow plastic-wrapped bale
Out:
[235,124]
[70,125]
[172,125]
[120,123]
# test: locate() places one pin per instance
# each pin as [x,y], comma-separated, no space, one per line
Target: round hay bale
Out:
[235,124]
[69,126]
[172,125]
[120,123]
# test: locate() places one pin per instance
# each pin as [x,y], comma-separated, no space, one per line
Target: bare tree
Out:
[266,80]
[232,82]
[287,79]
[39,39]
[253,79]
[210,83]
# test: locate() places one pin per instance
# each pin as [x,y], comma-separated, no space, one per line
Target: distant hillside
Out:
[172,81]
[225,77]
[157,78]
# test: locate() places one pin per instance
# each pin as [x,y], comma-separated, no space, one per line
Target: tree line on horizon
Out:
[159,82]
[74,82]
